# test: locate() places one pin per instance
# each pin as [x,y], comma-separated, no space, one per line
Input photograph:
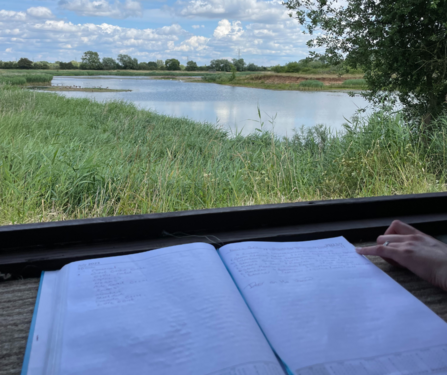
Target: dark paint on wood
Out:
[27,249]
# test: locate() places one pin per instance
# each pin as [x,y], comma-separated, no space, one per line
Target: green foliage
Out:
[23,79]
[254,68]
[161,65]
[25,63]
[292,67]
[12,80]
[311,83]
[354,82]
[220,65]
[191,66]
[90,60]
[66,66]
[38,78]
[239,64]
[41,65]
[143,66]
[152,65]
[233,72]
[127,62]
[109,63]
[64,158]
[172,64]
[400,45]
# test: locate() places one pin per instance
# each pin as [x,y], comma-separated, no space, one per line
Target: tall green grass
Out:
[13,80]
[23,79]
[354,82]
[311,83]
[38,78]
[66,158]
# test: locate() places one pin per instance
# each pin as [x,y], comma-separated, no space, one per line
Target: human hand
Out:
[412,249]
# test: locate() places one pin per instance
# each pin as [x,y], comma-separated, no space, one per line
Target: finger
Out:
[394,238]
[373,250]
[379,250]
[399,227]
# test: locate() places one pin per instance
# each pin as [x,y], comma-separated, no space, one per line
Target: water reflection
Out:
[230,107]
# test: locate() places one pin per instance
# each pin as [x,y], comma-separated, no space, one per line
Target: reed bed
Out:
[64,158]
[311,83]
[354,82]
[23,79]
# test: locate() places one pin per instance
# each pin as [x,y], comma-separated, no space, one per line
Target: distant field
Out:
[64,158]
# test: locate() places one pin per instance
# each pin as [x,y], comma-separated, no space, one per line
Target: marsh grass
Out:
[38,78]
[64,158]
[13,80]
[311,83]
[354,82]
[23,79]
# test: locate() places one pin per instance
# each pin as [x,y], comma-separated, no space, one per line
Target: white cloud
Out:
[40,12]
[102,8]
[226,29]
[10,15]
[195,43]
[249,10]
[43,35]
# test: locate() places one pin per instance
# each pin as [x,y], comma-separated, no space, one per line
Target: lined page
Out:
[168,311]
[327,310]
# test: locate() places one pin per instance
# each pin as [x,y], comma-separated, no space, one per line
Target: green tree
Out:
[66,66]
[172,64]
[400,45]
[90,60]
[191,66]
[161,65]
[127,62]
[152,65]
[109,63]
[221,65]
[253,67]
[239,64]
[41,65]
[25,63]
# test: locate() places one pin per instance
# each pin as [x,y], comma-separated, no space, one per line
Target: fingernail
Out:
[358,249]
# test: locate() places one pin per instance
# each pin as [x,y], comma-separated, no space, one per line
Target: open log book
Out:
[252,308]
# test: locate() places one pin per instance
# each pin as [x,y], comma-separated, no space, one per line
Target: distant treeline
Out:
[91,61]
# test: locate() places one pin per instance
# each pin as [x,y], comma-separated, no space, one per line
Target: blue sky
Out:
[201,30]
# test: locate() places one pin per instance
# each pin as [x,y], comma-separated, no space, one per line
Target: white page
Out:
[168,311]
[327,310]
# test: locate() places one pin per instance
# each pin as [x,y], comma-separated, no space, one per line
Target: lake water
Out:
[234,108]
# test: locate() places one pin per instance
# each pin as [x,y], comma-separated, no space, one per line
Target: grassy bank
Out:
[66,158]
[307,82]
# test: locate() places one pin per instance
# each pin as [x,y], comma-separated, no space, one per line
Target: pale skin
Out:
[420,253]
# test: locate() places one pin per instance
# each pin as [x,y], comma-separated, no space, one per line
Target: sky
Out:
[200,30]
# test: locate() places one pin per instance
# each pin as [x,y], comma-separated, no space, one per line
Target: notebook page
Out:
[327,310]
[168,311]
